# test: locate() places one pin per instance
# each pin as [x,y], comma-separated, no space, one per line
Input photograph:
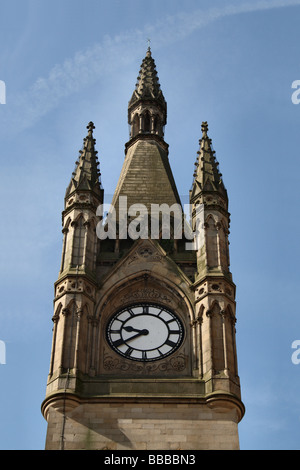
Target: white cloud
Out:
[113,53]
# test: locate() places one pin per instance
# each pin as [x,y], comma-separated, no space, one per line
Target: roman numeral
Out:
[170,343]
[145,309]
[128,352]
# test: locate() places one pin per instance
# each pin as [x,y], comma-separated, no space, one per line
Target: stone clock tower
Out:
[143,352]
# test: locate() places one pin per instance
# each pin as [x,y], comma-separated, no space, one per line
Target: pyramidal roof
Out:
[147,86]
[86,175]
[207,177]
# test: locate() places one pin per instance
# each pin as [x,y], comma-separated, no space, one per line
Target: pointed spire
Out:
[147,86]
[86,175]
[147,109]
[207,177]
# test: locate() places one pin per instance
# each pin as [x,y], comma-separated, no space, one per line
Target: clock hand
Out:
[130,328]
[121,341]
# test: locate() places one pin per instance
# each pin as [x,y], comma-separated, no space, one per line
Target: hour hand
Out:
[130,328]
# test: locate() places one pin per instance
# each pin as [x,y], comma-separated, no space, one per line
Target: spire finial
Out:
[149,48]
[204,128]
[90,127]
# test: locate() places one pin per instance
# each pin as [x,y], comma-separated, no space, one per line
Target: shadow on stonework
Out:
[95,433]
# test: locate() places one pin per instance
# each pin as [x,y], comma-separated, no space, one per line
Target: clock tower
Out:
[143,351]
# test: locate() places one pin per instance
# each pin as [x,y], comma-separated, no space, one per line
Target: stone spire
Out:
[146,176]
[147,108]
[83,196]
[207,178]
[209,209]
[86,175]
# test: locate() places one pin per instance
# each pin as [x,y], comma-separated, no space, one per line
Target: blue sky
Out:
[67,62]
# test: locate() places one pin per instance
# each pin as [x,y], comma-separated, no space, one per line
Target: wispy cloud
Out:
[113,53]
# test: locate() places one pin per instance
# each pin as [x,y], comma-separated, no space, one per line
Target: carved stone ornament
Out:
[174,364]
[145,294]
[143,254]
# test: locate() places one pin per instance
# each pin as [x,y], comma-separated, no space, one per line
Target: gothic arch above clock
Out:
[165,312]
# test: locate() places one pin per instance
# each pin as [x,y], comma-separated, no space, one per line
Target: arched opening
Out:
[211,235]
[147,122]
[66,246]
[78,242]
[217,339]
[157,127]
[135,126]
[223,243]
[69,336]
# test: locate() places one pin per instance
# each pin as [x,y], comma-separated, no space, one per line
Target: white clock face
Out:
[144,332]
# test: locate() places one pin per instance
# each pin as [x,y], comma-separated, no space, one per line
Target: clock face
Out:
[144,332]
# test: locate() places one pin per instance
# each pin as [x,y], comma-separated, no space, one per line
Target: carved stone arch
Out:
[199,313]
[230,314]
[217,337]
[82,341]
[223,224]
[143,286]
[77,219]
[92,221]
[78,247]
[197,332]
[156,122]
[57,321]
[140,288]
[135,127]
[214,308]
[57,312]
[69,334]
[223,244]
[71,307]
[229,340]
[67,224]
[90,243]
[211,241]
[158,125]
[147,121]
[210,219]
[67,242]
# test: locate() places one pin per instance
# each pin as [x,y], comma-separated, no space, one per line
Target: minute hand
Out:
[121,341]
